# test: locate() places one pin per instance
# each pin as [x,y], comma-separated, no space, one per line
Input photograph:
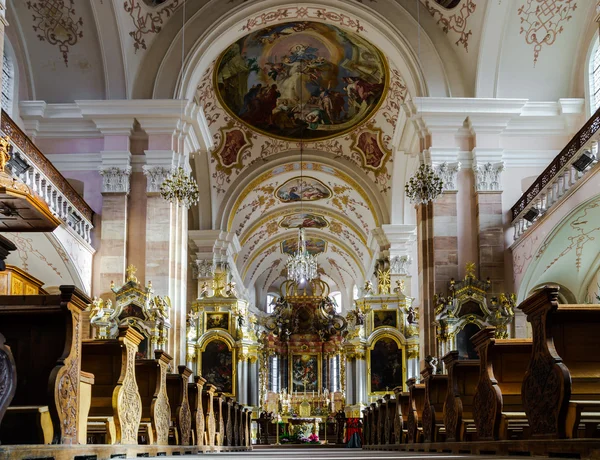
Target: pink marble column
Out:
[491,238]
[113,244]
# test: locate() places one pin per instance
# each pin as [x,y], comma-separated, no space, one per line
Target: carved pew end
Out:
[86,380]
[18,422]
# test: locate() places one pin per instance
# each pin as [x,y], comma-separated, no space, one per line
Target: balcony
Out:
[560,179]
[30,165]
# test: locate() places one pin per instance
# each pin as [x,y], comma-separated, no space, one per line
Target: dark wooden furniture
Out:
[436,388]
[8,377]
[561,388]
[151,377]
[181,415]
[209,415]
[195,399]
[498,404]
[463,376]
[115,396]
[416,392]
[44,333]
[402,406]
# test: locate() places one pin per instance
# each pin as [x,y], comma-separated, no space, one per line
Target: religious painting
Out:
[233,144]
[305,220]
[304,372]
[385,318]
[301,80]
[314,246]
[217,320]
[132,311]
[386,366]
[217,366]
[305,189]
[373,152]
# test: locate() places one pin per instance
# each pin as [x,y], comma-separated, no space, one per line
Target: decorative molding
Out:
[488,176]
[448,172]
[456,22]
[146,22]
[55,22]
[155,176]
[399,265]
[543,21]
[115,180]
[203,268]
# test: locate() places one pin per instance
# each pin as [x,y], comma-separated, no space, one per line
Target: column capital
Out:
[488,176]
[155,176]
[448,172]
[115,179]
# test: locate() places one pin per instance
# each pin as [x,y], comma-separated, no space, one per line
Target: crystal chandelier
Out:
[180,188]
[302,266]
[424,186]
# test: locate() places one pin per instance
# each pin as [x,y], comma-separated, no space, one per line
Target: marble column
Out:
[3,24]
[253,387]
[361,380]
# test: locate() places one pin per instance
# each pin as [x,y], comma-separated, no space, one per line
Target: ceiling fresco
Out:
[301,80]
[314,246]
[303,189]
[306,220]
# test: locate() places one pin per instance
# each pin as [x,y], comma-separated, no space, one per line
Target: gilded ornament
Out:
[5,145]
[131,271]
[384,281]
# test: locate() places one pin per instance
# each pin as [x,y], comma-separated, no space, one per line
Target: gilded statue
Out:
[4,155]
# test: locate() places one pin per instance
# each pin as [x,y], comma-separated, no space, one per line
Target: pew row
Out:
[181,415]
[44,333]
[195,389]
[436,388]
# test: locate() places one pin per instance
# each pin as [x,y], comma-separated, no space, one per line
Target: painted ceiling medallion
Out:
[305,189]
[314,246]
[372,148]
[55,22]
[234,143]
[301,80]
[304,220]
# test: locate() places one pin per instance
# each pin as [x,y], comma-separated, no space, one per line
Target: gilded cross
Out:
[131,271]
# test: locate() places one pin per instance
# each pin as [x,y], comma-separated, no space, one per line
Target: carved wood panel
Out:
[8,377]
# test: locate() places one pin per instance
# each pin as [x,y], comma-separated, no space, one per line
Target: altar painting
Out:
[384,318]
[301,80]
[217,366]
[386,366]
[217,320]
[304,372]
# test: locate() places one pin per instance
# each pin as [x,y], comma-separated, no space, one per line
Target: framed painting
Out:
[386,365]
[216,320]
[385,318]
[217,364]
[305,372]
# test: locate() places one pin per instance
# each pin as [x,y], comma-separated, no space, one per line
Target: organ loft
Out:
[263,227]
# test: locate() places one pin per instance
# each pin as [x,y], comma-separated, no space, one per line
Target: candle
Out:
[313,394]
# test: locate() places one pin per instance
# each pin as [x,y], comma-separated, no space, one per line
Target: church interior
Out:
[254,227]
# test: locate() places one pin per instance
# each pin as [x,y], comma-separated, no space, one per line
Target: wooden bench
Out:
[116,407]
[390,420]
[402,405]
[151,377]
[8,377]
[247,427]
[227,420]
[366,428]
[208,397]
[374,423]
[219,402]
[198,420]
[44,333]
[561,389]
[463,375]
[498,406]
[416,392]
[436,389]
[181,414]
[381,413]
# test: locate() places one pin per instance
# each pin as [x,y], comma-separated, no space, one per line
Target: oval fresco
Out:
[306,220]
[314,246]
[305,189]
[301,80]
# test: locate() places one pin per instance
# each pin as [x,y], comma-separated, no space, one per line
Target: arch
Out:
[565,296]
[384,332]
[209,336]
[383,364]
[592,76]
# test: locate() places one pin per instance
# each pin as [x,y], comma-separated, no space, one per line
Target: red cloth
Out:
[354,425]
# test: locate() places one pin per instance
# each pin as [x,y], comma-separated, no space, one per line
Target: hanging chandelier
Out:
[302,266]
[424,186]
[180,188]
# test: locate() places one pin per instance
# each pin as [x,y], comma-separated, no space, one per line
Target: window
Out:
[270,302]
[8,82]
[334,370]
[337,299]
[274,374]
[594,82]
[355,294]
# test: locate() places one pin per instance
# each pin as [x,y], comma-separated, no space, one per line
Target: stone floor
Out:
[335,454]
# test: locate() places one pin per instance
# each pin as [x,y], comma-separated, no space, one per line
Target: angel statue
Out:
[162,306]
[230,290]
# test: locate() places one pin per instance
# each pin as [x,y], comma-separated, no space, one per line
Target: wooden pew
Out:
[86,383]
[237,417]
[181,415]
[390,420]
[366,423]
[8,377]
[416,392]
[374,425]
[209,415]
[463,376]
[381,412]
[247,425]
[561,387]
[198,420]
[44,333]
[436,388]
[151,377]
[402,405]
[116,407]
[219,401]
[227,420]
[497,402]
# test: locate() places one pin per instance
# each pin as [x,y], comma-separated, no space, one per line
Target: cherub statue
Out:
[203,290]
[230,290]
[411,316]
[368,289]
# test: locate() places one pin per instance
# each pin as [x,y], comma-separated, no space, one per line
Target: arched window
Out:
[270,302]
[8,84]
[594,77]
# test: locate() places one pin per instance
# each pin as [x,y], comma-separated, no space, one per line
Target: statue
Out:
[411,317]
[230,291]
[368,289]
[4,155]
[203,290]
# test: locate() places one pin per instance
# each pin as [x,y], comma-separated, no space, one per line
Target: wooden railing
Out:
[556,179]
[46,181]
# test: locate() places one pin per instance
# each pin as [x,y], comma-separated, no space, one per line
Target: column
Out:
[361,379]
[253,396]
[115,171]
[3,24]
